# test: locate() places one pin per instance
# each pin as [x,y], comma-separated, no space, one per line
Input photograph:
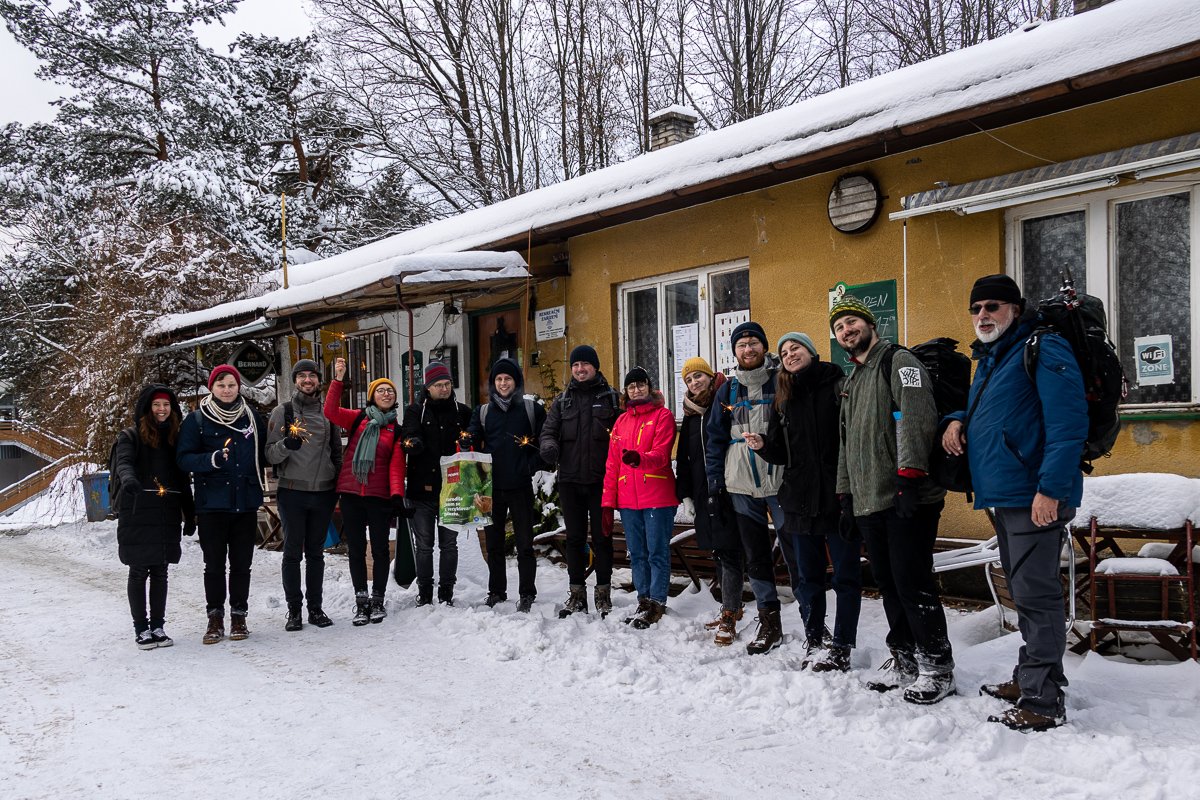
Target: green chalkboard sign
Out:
[880,297]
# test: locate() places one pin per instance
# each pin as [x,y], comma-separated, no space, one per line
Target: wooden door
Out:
[496,333]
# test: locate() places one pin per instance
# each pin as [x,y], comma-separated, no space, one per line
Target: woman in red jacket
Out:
[370,486]
[638,480]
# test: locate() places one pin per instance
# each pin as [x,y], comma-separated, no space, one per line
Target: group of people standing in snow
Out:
[832,463]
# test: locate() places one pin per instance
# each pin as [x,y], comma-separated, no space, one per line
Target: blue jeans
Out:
[756,543]
[648,538]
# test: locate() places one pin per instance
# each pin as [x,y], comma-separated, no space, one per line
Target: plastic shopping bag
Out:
[466,499]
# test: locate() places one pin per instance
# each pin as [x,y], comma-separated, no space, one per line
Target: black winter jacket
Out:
[692,481]
[148,523]
[508,437]
[575,436]
[430,430]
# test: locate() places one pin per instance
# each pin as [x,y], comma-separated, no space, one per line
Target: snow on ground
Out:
[61,503]
[488,703]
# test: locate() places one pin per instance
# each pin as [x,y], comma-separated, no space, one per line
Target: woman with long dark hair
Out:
[153,507]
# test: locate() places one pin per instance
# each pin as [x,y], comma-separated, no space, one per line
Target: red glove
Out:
[606,521]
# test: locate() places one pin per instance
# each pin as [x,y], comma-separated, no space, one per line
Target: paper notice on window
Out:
[685,344]
[724,324]
[1154,358]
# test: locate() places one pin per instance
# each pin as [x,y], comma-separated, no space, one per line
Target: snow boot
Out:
[237,628]
[525,604]
[653,614]
[216,628]
[294,622]
[727,629]
[377,612]
[643,607]
[770,632]
[813,650]
[716,621]
[494,599]
[362,610]
[1028,721]
[446,595]
[835,659]
[145,640]
[1008,691]
[319,618]
[930,687]
[576,601]
[603,599]
[424,595]
[899,671]
[160,636]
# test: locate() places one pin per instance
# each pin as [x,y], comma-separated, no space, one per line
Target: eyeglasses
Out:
[385,390]
[991,307]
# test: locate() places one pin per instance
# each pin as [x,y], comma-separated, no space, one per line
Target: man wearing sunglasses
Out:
[1023,437]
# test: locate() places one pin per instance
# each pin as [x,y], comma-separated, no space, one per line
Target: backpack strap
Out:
[483,416]
[529,414]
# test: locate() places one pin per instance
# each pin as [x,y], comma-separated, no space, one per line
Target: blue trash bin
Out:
[95,496]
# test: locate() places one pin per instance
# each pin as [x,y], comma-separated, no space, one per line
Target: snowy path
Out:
[475,702]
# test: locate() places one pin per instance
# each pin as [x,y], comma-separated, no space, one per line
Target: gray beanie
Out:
[305,365]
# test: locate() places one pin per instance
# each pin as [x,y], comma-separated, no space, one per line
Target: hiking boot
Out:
[716,621]
[294,622]
[1008,691]
[576,601]
[237,628]
[216,629]
[376,611]
[319,618]
[603,599]
[494,599]
[1027,721]
[930,688]
[899,671]
[835,659]
[726,628]
[446,595]
[813,649]
[525,604]
[424,596]
[145,640]
[362,610]
[653,614]
[770,632]
[643,607]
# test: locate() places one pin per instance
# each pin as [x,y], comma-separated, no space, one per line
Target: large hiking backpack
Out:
[949,372]
[1080,319]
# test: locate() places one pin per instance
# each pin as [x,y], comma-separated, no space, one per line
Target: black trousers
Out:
[581,506]
[139,575]
[360,514]
[517,503]
[901,553]
[305,517]
[227,538]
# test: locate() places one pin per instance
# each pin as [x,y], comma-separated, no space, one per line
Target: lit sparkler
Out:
[161,491]
[296,429]
[523,441]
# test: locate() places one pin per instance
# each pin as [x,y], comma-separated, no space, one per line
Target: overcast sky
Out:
[24,98]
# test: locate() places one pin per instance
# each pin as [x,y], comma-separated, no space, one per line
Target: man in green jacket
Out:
[888,424]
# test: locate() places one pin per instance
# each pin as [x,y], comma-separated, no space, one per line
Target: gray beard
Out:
[996,333]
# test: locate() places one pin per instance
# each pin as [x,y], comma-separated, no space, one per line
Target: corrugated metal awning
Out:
[1058,180]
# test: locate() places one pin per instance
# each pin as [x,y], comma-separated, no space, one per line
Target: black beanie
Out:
[305,365]
[585,352]
[996,287]
[749,329]
[637,375]
[506,366]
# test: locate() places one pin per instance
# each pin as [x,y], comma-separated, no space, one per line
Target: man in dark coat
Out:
[507,426]
[431,429]
[575,438]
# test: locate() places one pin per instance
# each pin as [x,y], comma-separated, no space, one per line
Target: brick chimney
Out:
[1087,5]
[671,125]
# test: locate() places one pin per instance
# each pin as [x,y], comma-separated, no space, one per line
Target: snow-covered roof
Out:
[1045,55]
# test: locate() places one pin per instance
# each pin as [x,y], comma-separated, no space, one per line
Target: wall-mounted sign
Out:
[550,323]
[1153,356]
[854,203]
[252,362]
[880,297]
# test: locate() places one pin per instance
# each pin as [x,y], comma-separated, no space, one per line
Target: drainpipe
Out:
[412,381]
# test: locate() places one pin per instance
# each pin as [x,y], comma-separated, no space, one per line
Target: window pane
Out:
[641,330]
[731,291]
[1153,252]
[1048,246]
[683,338]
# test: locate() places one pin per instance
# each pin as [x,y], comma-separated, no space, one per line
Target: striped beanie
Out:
[849,305]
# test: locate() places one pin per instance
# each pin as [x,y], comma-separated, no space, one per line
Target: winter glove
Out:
[413,444]
[399,509]
[220,458]
[189,526]
[906,496]
[847,527]
[632,457]
[292,442]
[132,486]
[606,521]
[716,505]
[689,507]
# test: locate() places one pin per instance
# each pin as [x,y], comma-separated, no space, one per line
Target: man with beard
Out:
[306,452]
[575,438]
[888,423]
[1026,433]
[740,409]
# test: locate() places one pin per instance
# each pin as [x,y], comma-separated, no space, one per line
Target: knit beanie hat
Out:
[160,396]
[803,338]
[749,328]
[849,305]
[695,364]
[638,375]
[305,365]
[585,352]
[506,366]
[375,384]
[436,371]
[224,369]
[996,287]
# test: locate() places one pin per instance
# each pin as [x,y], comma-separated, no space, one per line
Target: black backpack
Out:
[949,372]
[1080,319]
[114,480]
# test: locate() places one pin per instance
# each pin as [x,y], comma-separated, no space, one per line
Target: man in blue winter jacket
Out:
[1025,431]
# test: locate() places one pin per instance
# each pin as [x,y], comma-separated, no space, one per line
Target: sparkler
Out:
[409,442]
[523,441]
[161,491]
[297,429]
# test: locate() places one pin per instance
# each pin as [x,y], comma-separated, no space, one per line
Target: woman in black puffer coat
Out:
[153,507]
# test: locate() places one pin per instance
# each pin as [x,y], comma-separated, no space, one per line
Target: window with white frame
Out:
[366,360]
[1134,248]
[665,320]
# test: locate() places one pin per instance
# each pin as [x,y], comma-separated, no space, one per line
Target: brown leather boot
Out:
[770,633]
[716,621]
[1008,691]
[654,612]
[216,629]
[237,627]
[727,629]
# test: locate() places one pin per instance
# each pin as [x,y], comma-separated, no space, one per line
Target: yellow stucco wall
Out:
[795,255]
